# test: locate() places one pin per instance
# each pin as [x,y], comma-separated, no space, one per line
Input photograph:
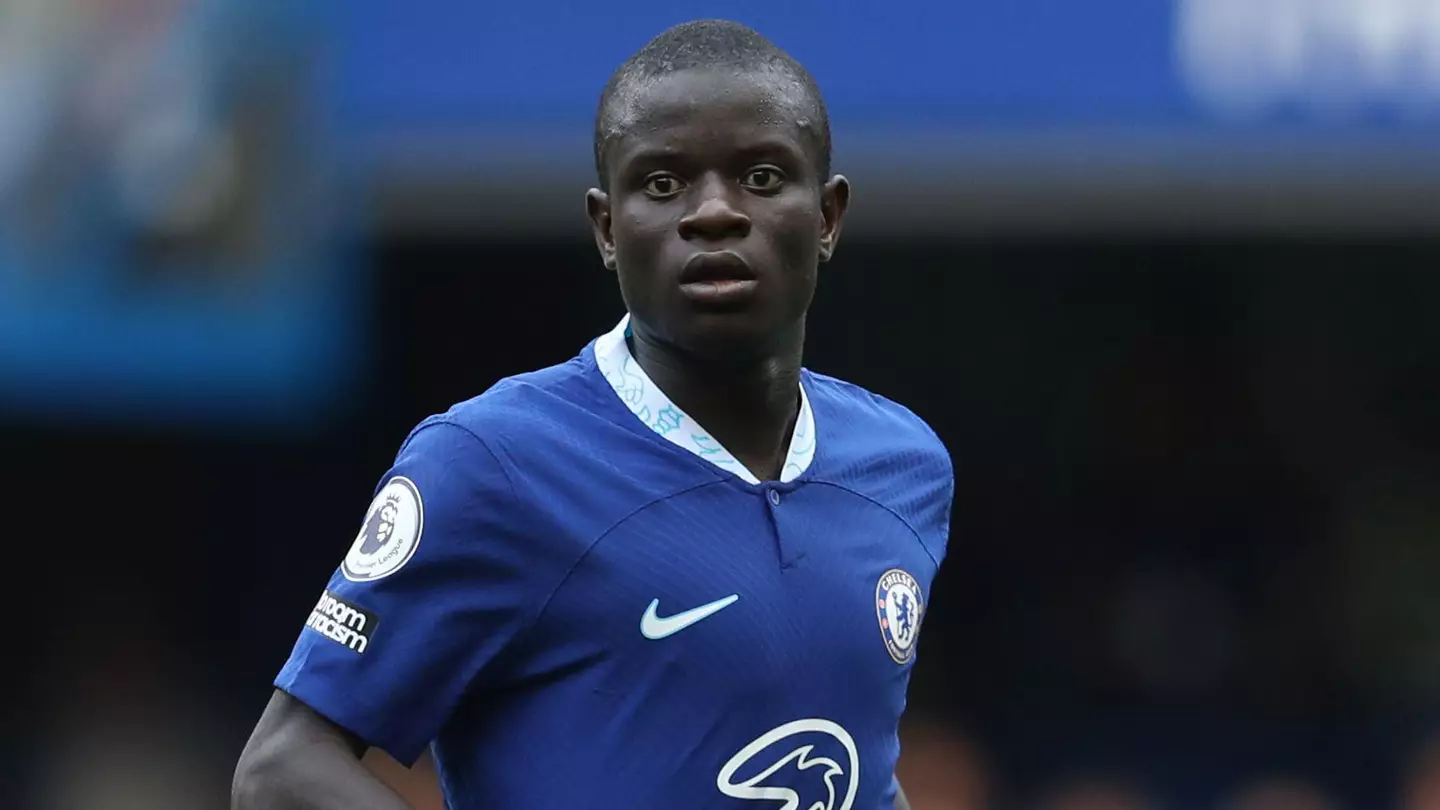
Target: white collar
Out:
[645,399]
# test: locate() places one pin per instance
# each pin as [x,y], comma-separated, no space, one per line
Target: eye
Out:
[764,178]
[661,185]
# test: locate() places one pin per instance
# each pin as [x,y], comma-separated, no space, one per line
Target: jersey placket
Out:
[788,543]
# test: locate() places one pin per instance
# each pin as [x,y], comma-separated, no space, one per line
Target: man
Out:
[582,596]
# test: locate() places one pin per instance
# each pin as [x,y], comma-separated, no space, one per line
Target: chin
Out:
[730,336]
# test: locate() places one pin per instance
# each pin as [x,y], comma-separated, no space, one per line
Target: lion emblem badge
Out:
[390,534]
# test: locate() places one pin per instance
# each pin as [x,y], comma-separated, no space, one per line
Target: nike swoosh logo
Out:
[656,627]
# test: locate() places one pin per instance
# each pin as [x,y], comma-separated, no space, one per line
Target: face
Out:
[716,218]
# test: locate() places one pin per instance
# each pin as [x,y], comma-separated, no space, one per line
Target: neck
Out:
[750,407]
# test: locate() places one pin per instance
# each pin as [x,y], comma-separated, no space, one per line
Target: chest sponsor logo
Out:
[899,605]
[342,622]
[655,627]
[811,764]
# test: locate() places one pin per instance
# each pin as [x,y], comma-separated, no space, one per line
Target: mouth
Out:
[720,278]
[720,265]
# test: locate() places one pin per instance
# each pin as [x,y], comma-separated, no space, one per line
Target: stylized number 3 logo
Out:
[754,789]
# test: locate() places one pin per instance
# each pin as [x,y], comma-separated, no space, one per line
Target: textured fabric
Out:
[582,613]
[650,405]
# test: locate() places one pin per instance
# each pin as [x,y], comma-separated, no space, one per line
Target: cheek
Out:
[643,218]
[798,235]
[639,245]
[639,233]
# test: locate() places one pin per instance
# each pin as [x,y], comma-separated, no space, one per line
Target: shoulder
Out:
[494,467]
[857,417]
[518,410]
[480,442]
[883,452]
[560,442]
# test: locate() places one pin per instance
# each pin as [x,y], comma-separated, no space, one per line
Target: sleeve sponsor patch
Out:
[391,533]
[342,622]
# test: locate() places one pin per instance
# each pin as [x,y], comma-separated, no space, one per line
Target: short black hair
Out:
[709,45]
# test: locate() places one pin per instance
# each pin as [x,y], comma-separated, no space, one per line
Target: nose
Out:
[715,216]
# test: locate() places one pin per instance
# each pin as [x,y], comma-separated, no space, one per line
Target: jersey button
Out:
[774,498]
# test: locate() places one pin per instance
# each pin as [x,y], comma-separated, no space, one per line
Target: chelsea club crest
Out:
[899,605]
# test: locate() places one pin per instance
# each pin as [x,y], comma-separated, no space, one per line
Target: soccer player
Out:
[677,571]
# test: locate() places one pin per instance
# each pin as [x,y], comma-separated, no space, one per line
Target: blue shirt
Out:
[584,601]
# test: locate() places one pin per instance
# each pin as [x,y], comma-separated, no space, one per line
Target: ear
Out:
[834,201]
[597,207]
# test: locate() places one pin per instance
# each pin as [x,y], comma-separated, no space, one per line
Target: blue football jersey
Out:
[582,600]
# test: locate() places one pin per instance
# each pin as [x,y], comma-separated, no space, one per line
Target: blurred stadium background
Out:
[1162,273]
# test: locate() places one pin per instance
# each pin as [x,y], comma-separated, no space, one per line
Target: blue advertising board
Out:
[1353,68]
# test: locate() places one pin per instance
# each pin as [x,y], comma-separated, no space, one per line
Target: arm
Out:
[298,760]
[436,583]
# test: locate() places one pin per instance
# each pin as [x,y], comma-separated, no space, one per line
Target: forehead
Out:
[709,110]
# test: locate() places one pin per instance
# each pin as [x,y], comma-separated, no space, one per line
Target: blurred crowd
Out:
[137,133]
[945,770]
[169,213]
[157,756]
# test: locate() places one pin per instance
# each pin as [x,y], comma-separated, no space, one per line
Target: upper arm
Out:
[291,736]
[288,722]
[436,587]
[296,758]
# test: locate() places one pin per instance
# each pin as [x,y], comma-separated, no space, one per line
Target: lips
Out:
[721,279]
[721,265]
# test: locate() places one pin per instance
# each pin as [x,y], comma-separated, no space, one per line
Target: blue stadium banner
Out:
[1346,67]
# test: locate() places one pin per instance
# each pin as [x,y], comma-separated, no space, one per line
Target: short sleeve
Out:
[436,586]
